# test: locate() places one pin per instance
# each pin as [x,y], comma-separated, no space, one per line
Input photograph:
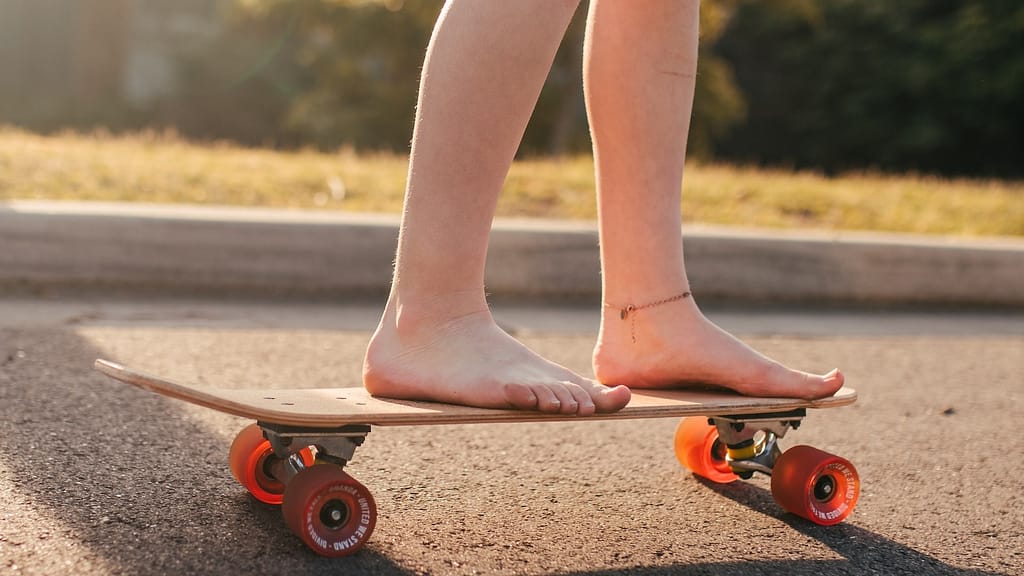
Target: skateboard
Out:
[295,453]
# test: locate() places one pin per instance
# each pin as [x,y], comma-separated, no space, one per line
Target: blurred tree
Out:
[61,61]
[345,72]
[319,72]
[718,104]
[925,85]
[559,124]
[364,59]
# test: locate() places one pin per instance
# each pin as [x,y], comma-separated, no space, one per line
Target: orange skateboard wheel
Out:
[330,511]
[698,449]
[249,458]
[815,485]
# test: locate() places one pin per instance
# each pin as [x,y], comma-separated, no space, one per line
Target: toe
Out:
[521,397]
[547,401]
[813,386]
[833,381]
[835,378]
[585,404]
[610,399]
[567,402]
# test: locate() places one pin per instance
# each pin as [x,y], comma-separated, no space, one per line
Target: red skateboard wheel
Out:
[248,460]
[329,510]
[698,449]
[815,485]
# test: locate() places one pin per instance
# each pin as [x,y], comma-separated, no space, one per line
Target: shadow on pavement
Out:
[863,552]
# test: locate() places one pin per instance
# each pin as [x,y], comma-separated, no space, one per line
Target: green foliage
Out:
[930,86]
[559,122]
[336,73]
[311,72]
[718,104]
[924,85]
[364,61]
[241,85]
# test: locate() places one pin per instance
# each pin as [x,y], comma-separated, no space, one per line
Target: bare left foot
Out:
[674,345]
[469,360]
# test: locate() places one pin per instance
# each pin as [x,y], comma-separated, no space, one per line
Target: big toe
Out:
[833,381]
[814,387]
[611,398]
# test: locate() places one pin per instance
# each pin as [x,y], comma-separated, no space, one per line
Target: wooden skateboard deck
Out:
[336,407]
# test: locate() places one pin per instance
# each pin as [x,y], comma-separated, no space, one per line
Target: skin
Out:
[483,72]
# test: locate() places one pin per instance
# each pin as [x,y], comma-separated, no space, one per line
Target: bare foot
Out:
[676,346]
[469,360]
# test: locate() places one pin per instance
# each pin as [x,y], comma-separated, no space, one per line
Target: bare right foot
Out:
[469,360]
[676,346]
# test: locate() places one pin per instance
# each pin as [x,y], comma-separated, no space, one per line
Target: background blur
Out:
[933,86]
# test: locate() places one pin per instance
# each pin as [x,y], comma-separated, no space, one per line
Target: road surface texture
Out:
[100,478]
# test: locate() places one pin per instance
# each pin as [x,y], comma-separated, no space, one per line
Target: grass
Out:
[162,168]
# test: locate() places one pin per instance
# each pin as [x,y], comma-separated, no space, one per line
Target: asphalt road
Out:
[100,478]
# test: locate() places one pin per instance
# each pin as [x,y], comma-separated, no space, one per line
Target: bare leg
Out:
[485,66]
[641,60]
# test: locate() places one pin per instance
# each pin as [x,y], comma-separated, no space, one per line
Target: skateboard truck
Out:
[334,445]
[751,440]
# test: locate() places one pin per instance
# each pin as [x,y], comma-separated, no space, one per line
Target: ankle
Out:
[627,323]
[418,314]
[628,310]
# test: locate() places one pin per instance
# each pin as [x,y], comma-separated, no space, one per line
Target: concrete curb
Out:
[62,247]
